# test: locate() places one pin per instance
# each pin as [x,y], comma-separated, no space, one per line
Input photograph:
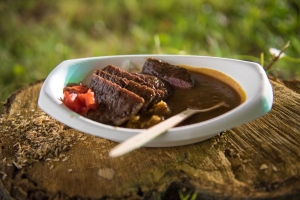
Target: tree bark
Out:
[257,160]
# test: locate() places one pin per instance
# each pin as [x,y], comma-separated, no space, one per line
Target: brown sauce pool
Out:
[210,88]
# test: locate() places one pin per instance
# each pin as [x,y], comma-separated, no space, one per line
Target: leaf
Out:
[18,70]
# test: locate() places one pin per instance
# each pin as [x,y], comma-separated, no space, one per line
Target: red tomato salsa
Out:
[79,98]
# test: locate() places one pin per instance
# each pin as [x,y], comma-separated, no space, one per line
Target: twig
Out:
[262,59]
[275,58]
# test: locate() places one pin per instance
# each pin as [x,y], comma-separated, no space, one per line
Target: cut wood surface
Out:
[43,159]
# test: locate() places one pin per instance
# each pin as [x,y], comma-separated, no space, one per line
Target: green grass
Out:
[36,35]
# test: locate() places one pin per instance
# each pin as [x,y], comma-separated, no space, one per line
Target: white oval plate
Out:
[251,77]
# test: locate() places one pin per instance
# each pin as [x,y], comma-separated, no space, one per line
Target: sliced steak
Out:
[123,82]
[157,83]
[124,74]
[116,105]
[175,75]
[143,91]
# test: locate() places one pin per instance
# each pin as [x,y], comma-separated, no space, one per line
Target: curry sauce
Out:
[210,88]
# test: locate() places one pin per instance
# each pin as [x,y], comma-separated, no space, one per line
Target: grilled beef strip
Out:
[157,83]
[124,74]
[143,91]
[116,105]
[175,75]
[160,94]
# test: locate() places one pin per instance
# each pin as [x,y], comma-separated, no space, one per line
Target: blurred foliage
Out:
[36,35]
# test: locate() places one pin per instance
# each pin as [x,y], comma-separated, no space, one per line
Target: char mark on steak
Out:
[116,105]
[175,75]
[143,91]
[160,94]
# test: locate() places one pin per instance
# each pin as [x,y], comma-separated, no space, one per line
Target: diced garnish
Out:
[79,98]
[89,99]
[76,89]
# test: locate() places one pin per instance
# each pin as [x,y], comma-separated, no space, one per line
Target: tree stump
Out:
[257,160]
